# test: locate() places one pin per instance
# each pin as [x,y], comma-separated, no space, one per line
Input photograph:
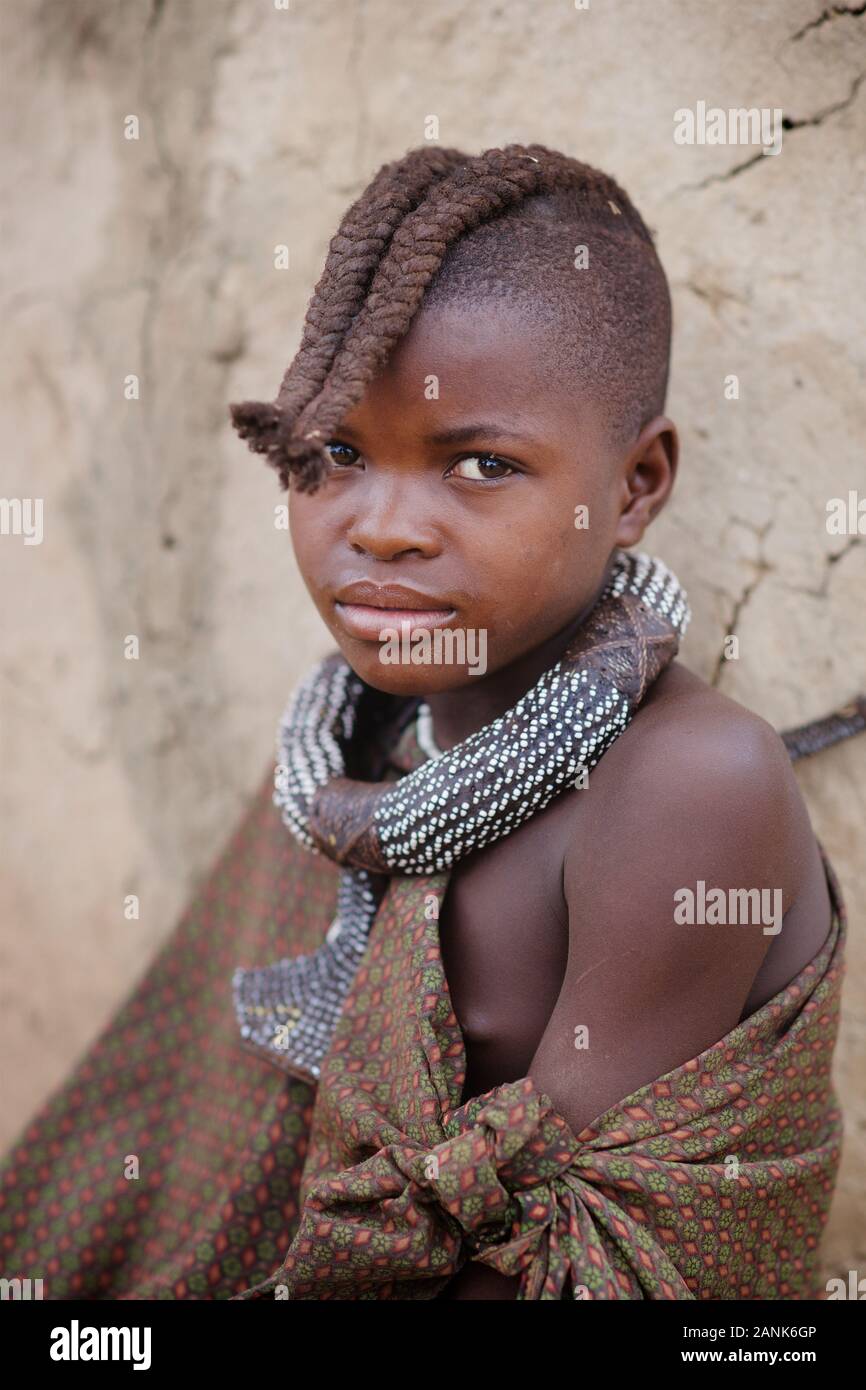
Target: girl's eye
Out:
[475,467]
[342,454]
[480,467]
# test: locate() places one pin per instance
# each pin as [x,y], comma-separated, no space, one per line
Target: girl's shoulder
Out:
[697,794]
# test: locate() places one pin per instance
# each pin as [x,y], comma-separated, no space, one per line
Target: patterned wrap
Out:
[404,1181]
[173,1165]
[456,802]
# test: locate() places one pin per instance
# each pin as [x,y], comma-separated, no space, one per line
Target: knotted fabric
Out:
[712,1181]
[382,1179]
[463,800]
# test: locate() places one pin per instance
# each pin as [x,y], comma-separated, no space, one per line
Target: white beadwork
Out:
[424,732]
[482,789]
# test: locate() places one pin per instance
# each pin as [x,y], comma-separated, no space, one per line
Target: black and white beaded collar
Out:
[455,802]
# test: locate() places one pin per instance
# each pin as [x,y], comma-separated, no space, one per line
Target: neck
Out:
[458,713]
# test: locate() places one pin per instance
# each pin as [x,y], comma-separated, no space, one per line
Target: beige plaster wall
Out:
[155,257]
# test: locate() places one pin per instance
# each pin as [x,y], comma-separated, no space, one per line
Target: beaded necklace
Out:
[455,802]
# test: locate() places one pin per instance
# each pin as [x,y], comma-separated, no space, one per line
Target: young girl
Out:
[541,968]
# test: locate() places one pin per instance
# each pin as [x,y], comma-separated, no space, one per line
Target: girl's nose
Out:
[392,522]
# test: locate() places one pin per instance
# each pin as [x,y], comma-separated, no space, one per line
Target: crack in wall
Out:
[827,16]
[762,568]
[789,123]
[713,295]
[829,562]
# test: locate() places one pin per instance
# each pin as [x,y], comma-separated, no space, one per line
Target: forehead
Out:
[461,359]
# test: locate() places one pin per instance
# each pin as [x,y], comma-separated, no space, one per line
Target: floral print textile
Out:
[172,1165]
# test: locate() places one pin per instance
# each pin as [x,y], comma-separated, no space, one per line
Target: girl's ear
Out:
[648,474]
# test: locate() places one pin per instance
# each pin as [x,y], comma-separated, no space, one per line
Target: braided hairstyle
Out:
[439,224]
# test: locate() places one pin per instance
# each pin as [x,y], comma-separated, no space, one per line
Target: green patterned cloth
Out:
[711,1182]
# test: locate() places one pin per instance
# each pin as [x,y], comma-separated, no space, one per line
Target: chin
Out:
[407,680]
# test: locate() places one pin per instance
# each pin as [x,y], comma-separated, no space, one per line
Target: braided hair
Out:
[439,224]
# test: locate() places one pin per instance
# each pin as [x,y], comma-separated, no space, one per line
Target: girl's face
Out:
[451,503]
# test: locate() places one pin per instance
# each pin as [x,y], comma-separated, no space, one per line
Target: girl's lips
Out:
[364,621]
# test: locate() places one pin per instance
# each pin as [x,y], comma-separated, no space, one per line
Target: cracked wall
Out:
[155,257]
